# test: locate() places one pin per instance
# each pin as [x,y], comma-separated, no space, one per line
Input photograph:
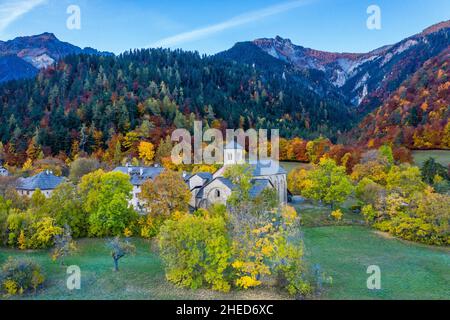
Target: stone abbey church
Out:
[207,188]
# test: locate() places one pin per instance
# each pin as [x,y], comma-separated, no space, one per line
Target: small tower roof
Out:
[234,146]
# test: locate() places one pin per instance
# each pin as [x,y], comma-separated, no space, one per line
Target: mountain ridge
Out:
[364,78]
[38,51]
[265,83]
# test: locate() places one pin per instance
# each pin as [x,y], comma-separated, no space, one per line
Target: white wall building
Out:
[138,175]
[45,181]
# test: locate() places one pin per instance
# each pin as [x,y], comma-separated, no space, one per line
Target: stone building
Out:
[207,189]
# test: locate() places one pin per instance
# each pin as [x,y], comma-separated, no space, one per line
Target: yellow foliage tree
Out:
[337,214]
[28,165]
[146,152]
[445,143]
[22,241]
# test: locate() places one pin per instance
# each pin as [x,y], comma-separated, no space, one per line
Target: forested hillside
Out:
[417,114]
[86,100]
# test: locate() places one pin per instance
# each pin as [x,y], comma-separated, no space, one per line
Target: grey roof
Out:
[259,166]
[43,181]
[233,145]
[3,171]
[199,194]
[258,186]
[138,175]
[204,175]
[225,181]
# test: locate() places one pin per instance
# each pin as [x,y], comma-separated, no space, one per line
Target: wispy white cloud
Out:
[11,10]
[231,23]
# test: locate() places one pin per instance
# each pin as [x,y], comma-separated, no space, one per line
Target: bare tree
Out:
[119,249]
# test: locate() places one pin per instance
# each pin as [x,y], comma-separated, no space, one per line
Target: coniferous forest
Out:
[87,99]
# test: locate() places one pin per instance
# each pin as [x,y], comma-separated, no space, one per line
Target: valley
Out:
[88,176]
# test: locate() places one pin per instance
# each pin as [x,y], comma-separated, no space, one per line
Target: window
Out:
[217,193]
[230,156]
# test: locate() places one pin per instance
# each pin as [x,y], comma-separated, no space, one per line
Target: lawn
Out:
[343,250]
[291,165]
[441,156]
[408,271]
[140,277]
[316,215]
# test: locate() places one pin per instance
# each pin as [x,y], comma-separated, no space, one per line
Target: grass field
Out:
[441,156]
[289,166]
[315,215]
[408,271]
[140,277]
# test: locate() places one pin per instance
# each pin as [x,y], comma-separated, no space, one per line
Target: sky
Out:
[211,26]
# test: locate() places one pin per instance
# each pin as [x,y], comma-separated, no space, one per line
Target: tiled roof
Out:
[199,194]
[265,167]
[204,175]
[258,186]
[3,171]
[138,175]
[43,181]
[225,181]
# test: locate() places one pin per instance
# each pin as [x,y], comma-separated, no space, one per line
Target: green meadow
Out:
[343,251]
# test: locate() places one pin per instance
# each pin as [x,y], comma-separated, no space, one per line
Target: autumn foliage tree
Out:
[161,198]
[146,152]
[327,182]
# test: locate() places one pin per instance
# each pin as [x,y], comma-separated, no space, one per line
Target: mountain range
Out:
[397,93]
[364,79]
[23,57]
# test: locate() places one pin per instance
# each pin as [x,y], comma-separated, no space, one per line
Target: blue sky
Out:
[212,26]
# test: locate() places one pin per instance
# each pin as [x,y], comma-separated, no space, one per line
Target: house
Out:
[138,175]
[207,189]
[45,181]
[3,172]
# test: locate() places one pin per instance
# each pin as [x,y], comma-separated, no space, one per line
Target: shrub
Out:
[196,252]
[291,269]
[20,276]
[44,232]
[337,214]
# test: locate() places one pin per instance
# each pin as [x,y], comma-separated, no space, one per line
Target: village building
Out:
[45,181]
[3,172]
[138,175]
